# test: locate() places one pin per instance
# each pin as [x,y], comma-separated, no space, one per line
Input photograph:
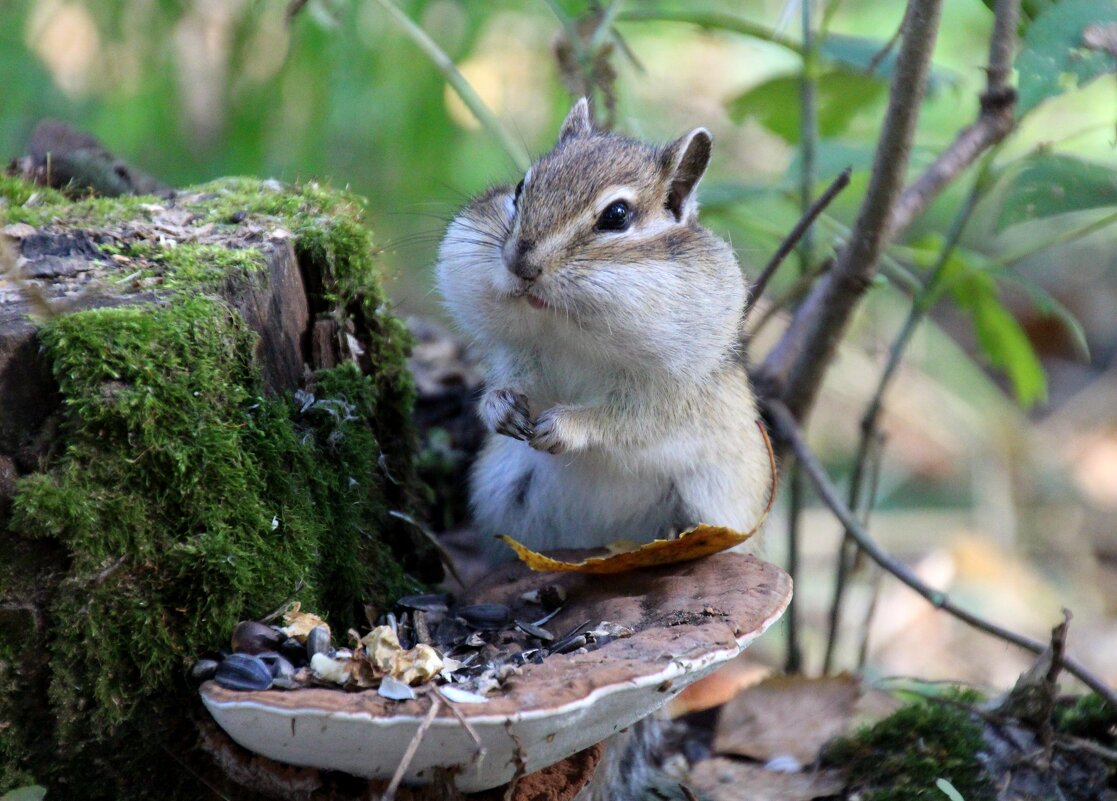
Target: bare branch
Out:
[996,120]
[794,369]
[787,429]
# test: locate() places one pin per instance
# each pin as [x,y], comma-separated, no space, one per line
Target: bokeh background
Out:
[999,475]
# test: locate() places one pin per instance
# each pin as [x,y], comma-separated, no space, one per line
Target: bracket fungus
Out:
[686,619]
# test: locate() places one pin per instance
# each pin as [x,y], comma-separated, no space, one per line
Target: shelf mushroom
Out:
[686,619]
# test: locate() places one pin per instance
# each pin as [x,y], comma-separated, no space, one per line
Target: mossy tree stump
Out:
[205,413]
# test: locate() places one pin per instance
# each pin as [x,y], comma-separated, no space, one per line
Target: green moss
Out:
[40,206]
[1088,717]
[186,265]
[16,193]
[181,497]
[899,758]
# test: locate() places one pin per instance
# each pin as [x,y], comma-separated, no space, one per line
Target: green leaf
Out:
[831,157]
[1001,337]
[948,790]
[1055,58]
[858,54]
[30,793]
[1048,184]
[774,104]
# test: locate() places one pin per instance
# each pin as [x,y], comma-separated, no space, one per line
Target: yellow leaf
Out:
[702,540]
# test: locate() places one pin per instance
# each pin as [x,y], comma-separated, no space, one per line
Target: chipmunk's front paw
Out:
[556,431]
[506,412]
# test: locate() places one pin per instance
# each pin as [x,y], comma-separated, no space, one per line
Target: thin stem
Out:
[786,428]
[890,267]
[604,26]
[867,623]
[809,215]
[922,303]
[568,27]
[808,133]
[794,661]
[717,20]
[457,81]
[845,564]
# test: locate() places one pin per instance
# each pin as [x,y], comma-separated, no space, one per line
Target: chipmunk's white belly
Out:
[594,498]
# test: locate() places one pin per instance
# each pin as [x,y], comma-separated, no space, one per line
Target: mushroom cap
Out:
[688,618]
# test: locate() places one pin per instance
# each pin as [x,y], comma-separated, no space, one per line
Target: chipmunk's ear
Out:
[577,122]
[684,162]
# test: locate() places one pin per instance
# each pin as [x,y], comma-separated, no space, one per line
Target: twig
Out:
[793,370]
[518,760]
[412,747]
[788,430]
[293,9]
[688,793]
[879,57]
[867,623]
[1071,743]
[788,244]
[922,303]
[995,121]
[1051,683]
[794,662]
[460,85]
[862,505]
[479,754]
[443,552]
[604,26]
[107,572]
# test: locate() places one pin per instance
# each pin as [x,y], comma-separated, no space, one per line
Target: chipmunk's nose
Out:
[517,258]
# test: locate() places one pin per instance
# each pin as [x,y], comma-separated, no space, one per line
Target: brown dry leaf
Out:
[787,716]
[721,779]
[702,540]
[720,687]
[300,623]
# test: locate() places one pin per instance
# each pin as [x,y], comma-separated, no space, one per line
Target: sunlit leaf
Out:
[1049,184]
[1055,58]
[1001,338]
[700,541]
[774,104]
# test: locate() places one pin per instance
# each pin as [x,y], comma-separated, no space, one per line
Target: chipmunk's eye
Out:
[519,191]
[616,217]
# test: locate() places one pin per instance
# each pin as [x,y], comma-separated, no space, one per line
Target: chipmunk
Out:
[617,399]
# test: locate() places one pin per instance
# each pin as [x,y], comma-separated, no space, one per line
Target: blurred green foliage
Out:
[194,90]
